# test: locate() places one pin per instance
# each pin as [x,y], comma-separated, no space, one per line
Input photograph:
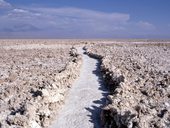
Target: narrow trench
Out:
[96,111]
[105,117]
[85,99]
[107,114]
[110,119]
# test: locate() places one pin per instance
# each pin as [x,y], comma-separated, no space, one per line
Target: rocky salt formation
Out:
[33,84]
[138,78]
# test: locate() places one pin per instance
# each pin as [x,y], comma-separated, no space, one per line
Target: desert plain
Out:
[36,77]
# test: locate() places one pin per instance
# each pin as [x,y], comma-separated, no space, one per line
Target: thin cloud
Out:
[69,23]
[19,14]
[84,14]
[146,25]
[17,10]
[21,28]
[68,19]
[4,4]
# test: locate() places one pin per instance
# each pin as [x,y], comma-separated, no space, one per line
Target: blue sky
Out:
[85,19]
